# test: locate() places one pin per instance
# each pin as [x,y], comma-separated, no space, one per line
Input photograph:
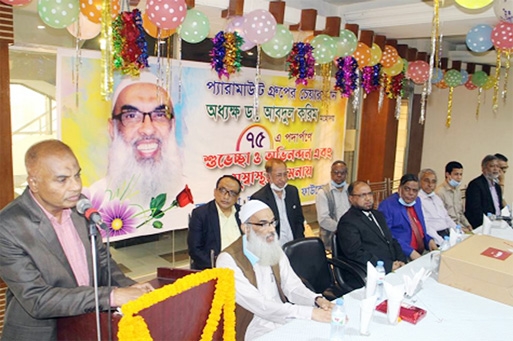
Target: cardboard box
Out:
[482,265]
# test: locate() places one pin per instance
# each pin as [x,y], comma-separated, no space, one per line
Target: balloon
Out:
[281,44]
[395,69]
[83,28]
[479,38]
[490,82]
[389,56]
[236,25]
[153,30]
[473,4]
[452,78]
[309,38]
[167,14]
[442,84]
[418,71]
[479,78]
[464,76]
[346,43]
[469,85]
[362,55]
[324,48]
[376,54]
[195,27]
[16,2]
[92,9]
[504,10]
[259,26]
[58,13]
[438,75]
[502,35]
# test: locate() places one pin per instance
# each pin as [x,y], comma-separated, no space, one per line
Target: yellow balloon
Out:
[489,83]
[395,69]
[376,54]
[473,4]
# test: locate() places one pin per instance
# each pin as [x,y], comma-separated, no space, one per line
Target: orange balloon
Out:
[389,56]
[442,84]
[153,30]
[92,9]
[308,39]
[362,54]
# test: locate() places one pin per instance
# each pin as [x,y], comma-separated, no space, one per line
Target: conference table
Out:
[452,314]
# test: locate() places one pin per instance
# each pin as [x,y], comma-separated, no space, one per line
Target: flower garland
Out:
[133,327]
[346,76]
[394,85]
[301,63]
[370,78]
[226,55]
[130,51]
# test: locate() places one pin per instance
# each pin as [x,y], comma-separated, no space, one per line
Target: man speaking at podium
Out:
[45,251]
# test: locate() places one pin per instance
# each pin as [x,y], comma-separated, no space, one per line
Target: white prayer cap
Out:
[144,77]
[249,208]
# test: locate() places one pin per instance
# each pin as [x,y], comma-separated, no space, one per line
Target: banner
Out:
[132,172]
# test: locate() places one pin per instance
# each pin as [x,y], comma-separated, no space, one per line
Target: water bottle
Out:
[446,244]
[459,234]
[338,320]
[379,281]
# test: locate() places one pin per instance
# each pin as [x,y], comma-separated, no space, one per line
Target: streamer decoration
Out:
[326,85]
[504,93]
[495,98]
[370,78]
[301,63]
[106,51]
[435,43]
[449,107]
[346,76]
[226,54]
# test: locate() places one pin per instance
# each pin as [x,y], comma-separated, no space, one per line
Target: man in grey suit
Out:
[45,252]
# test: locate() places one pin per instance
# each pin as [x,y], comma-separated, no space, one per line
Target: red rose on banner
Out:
[184,198]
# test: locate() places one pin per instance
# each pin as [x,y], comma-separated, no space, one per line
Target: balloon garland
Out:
[130,51]
[226,53]
[301,63]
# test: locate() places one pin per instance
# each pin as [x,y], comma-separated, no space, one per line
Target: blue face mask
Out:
[402,202]
[338,185]
[454,183]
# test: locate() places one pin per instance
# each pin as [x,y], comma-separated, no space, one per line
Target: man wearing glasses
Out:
[404,217]
[215,225]
[332,202]
[143,155]
[268,292]
[363,234]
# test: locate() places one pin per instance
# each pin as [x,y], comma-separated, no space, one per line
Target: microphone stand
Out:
[93,233]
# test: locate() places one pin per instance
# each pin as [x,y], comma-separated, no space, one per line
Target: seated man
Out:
[503,168]
[215,225]
[438,222]
[450,193]
[484,195]
[403,213]
[363,234]
[268,292]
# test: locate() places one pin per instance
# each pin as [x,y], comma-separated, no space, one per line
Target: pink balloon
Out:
[87,28]
[469,85]
[259,26]
[418,71]
[16,2]
[502,35]
[236,24]
[167,14]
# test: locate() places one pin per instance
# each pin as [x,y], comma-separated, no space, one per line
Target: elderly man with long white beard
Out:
[268,292]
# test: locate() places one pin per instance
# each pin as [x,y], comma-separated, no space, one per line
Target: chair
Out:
[349,272]
[308,259]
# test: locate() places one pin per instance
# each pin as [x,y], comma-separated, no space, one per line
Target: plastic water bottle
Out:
[338,320]
[379,281]
[459,234]
[446,244]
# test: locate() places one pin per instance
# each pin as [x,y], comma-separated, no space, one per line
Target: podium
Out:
[180,317]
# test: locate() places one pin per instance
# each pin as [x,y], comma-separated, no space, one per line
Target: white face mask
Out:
[402,202]
[276,188]
[338,185]
[454,183]
[430,194]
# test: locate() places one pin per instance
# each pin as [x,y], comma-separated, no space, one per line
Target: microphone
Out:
[91,214]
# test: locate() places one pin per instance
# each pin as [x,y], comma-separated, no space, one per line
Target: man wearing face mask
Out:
[450,193]
[438,222]
[484,195]
[283,199]
[403,213]
[332,202]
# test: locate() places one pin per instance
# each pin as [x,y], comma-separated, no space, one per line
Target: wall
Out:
[468,139]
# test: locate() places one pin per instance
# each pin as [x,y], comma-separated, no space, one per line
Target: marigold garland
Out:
[301,63]
[226,54]
[346,76]
[130,51]
[133,327]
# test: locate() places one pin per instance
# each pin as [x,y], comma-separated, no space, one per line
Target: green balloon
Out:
[452,78]
[195,27]
[281,44]
[58,13]
[346,43]
[479,78]
[324,48]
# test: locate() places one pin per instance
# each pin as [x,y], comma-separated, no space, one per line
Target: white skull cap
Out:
[144,77]
[251,207]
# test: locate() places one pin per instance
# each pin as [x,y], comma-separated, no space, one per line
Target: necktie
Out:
[371,217]
[414,224]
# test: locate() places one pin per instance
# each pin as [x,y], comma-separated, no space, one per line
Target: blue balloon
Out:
[438,75]
[479,38]
[464,76]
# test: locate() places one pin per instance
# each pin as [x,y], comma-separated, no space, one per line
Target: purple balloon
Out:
[236,25]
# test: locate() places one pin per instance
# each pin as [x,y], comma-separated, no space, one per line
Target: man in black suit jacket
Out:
[215,225]
[483,194]
[362,233]
[283,199]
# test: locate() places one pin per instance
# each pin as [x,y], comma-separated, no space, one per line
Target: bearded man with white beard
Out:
[143,156]
[268,292]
